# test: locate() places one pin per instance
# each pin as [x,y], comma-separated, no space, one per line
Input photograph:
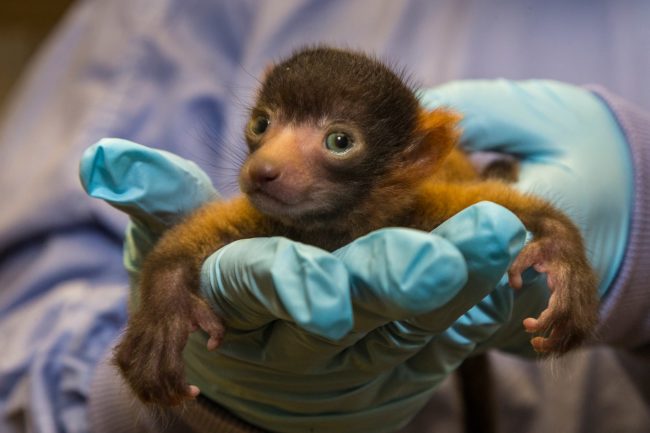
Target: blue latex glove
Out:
[572,152]
[315,340]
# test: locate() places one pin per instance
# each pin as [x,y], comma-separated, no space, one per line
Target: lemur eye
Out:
[338,142]
[259,124]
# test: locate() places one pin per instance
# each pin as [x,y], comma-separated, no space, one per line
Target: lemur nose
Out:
[263,172]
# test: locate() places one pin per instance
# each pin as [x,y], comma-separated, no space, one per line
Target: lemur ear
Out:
[439,131]
[436,134]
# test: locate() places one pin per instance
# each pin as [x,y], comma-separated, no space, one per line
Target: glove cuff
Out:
[624,318]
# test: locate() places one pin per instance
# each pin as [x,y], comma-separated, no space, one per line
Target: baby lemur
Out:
[339,146]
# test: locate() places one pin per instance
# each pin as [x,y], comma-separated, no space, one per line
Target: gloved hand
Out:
[350,341]
[572,152]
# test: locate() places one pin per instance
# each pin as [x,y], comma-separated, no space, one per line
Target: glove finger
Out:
[253,282]
[447,350]
[420,372]
[398,273]
[489,237]
[154,187]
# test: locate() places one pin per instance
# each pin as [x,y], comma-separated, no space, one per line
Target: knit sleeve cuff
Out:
[625,311]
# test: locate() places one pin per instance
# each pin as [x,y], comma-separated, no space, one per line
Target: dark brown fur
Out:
[408,174]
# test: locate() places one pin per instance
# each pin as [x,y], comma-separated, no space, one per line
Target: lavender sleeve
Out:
[625,311]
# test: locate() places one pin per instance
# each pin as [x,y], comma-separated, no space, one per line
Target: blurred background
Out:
[24,24]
